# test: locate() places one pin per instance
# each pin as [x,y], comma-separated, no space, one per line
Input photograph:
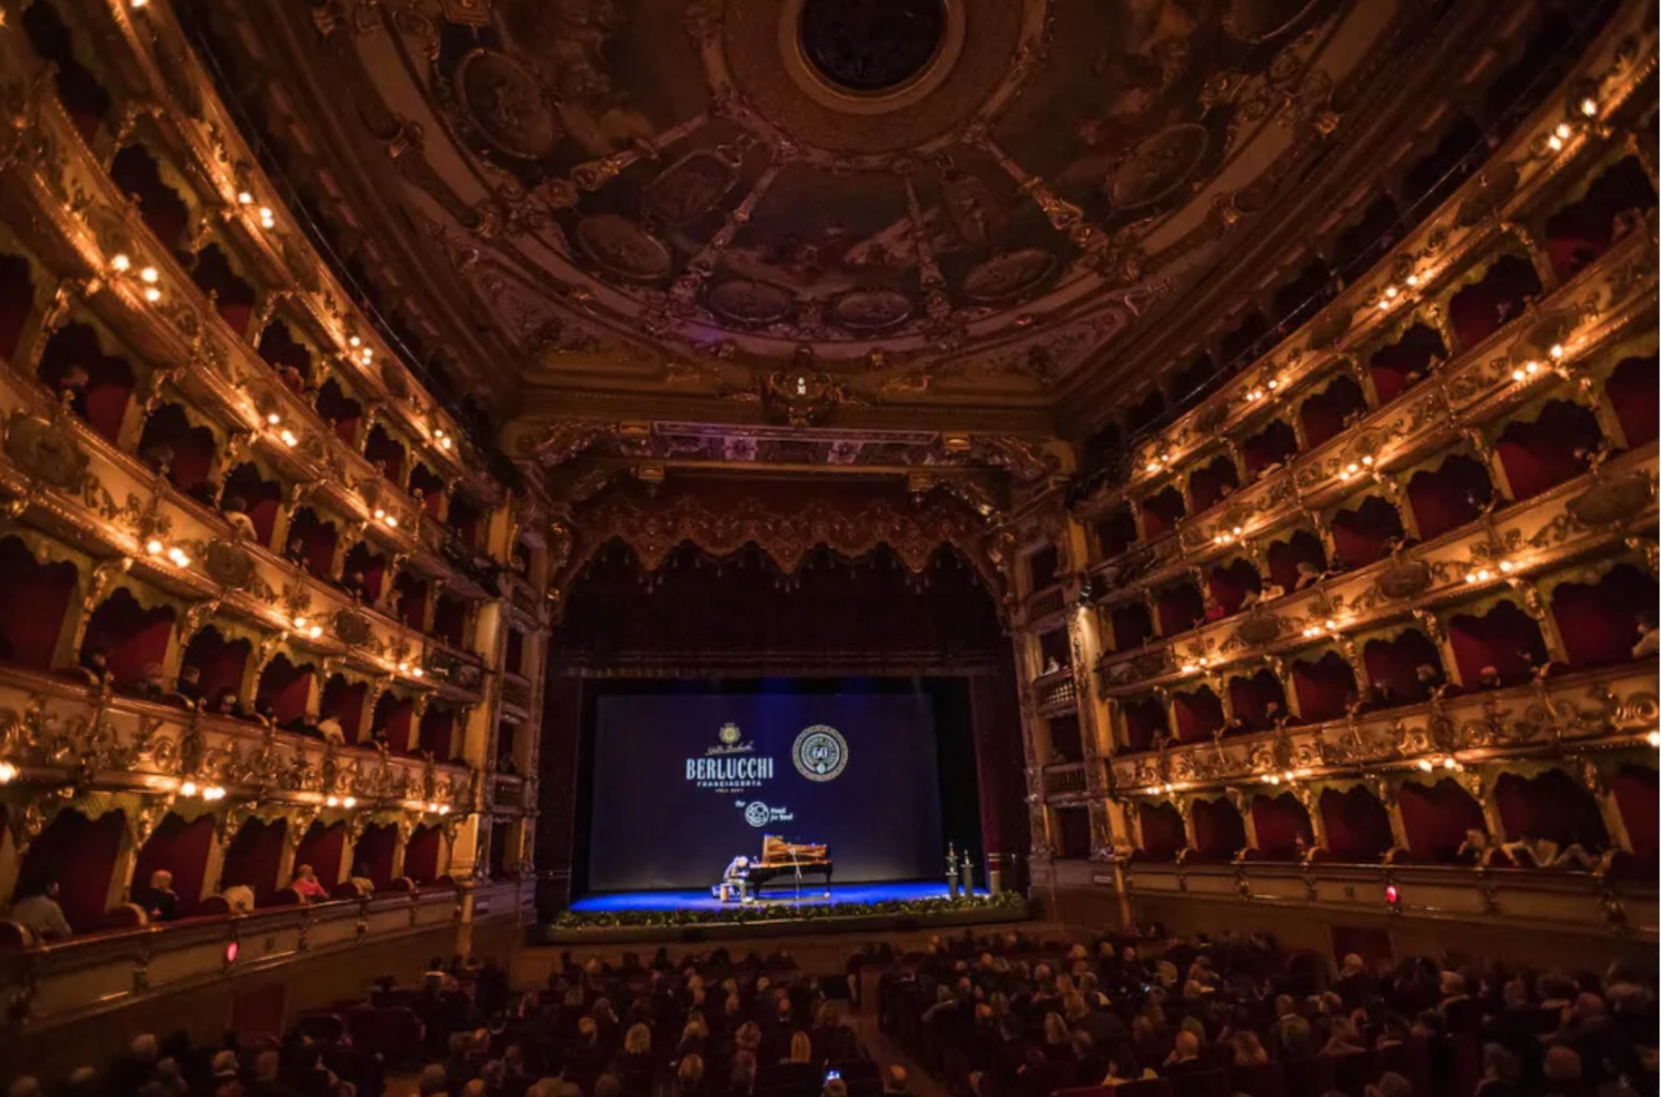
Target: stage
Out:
[814,894]
[851,908]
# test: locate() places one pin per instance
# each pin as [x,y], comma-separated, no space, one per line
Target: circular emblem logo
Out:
[757,814]
[821,754]
[729,734]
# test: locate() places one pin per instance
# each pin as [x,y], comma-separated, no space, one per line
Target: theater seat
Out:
[1261,1080]
[1311,1077]
[1209,1083]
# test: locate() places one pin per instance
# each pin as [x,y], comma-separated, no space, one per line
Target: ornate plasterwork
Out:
[787,530]
[649,192]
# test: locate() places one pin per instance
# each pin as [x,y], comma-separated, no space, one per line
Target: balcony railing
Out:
[1055,690]
[1067,779]
[89,975]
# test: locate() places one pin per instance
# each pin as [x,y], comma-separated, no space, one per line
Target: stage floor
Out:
[619,901]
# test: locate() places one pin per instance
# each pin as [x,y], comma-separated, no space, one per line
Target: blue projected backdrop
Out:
[683,784]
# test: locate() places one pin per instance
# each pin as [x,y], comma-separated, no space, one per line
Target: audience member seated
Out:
[307,886]
[40,914]
[158,899]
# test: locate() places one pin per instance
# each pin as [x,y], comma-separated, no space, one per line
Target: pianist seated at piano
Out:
[733,881]
[787,863]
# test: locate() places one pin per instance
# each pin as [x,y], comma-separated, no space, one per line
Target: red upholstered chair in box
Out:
[283,897]
[124,916]
[13,936]
[211,906]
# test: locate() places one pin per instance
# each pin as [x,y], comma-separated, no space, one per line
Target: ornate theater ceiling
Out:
[907,216]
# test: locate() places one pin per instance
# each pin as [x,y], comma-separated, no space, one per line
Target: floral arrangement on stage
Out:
[1012,902]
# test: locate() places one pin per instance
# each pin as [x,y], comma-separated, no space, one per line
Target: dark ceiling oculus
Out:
[872,45]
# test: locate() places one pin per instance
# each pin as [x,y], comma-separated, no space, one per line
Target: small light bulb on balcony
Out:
[1589,107]
[243,198]
[8,773]
[349,802]
[152,294]
[188,789]
[120,262]
[1426,764]
[432,806]
[379,514]
[1153,466]
[1653,738]
[368,355]
[179,558]
[139,4]
[1368,461]
[288,438]
[1391,292]
[273,418]
[1449,763]
[315,631]
[1531,368]
[331,801]
[1330,625]
[1554,142]
[300,622]
[1412,279]
[1187,668]
[1518,376]
[444,809]
[1507,566]
[392,521]
[418,672]
[354,341]
[266,215]
[149,274]
[1470,577]
[1557,351]
[153,547]
[445,442]
[1484,575]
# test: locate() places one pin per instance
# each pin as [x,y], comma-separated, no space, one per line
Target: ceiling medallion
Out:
[871,309]
[750,302]
[690,188]
[504,102]
[1006,276]
[623,248]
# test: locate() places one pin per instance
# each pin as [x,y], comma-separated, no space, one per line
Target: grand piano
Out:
[780,861]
